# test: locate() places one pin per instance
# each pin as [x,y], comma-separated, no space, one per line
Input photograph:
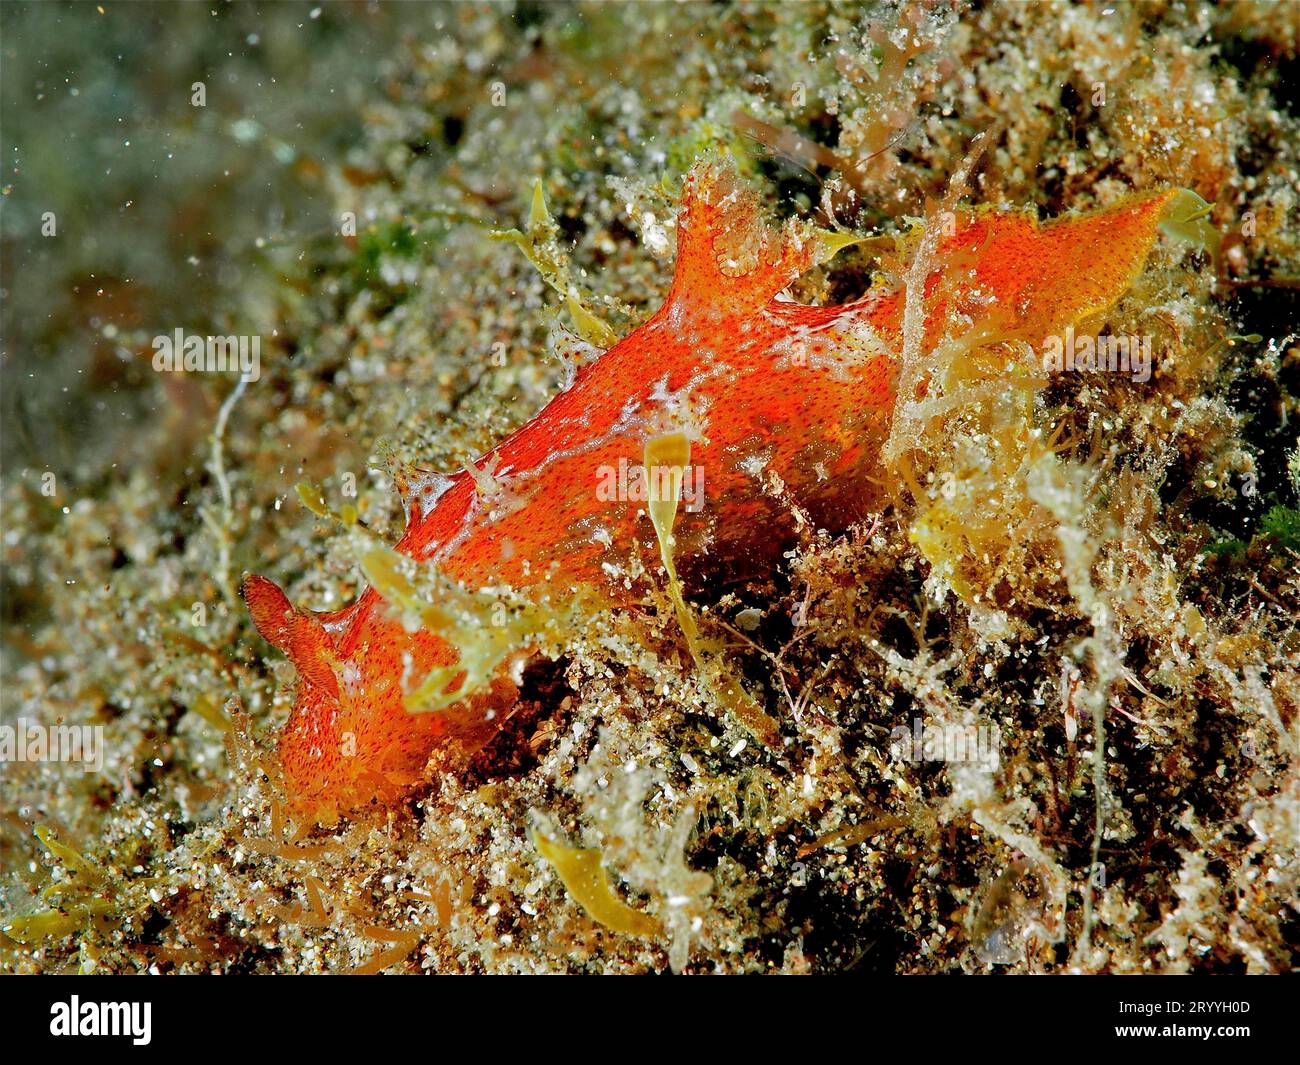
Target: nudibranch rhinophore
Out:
[760,386]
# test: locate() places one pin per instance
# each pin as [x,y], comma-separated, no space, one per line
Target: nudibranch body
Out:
[780,401]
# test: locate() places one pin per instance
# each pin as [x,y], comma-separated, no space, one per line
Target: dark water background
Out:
[167,214]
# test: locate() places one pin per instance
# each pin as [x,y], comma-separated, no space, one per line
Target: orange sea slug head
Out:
[350,740]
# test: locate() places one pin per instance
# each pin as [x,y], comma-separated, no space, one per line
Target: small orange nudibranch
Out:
[754,383]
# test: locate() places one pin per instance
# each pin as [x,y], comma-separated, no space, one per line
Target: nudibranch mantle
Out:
[769,392]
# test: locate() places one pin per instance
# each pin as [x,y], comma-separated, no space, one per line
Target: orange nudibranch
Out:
[759,384]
